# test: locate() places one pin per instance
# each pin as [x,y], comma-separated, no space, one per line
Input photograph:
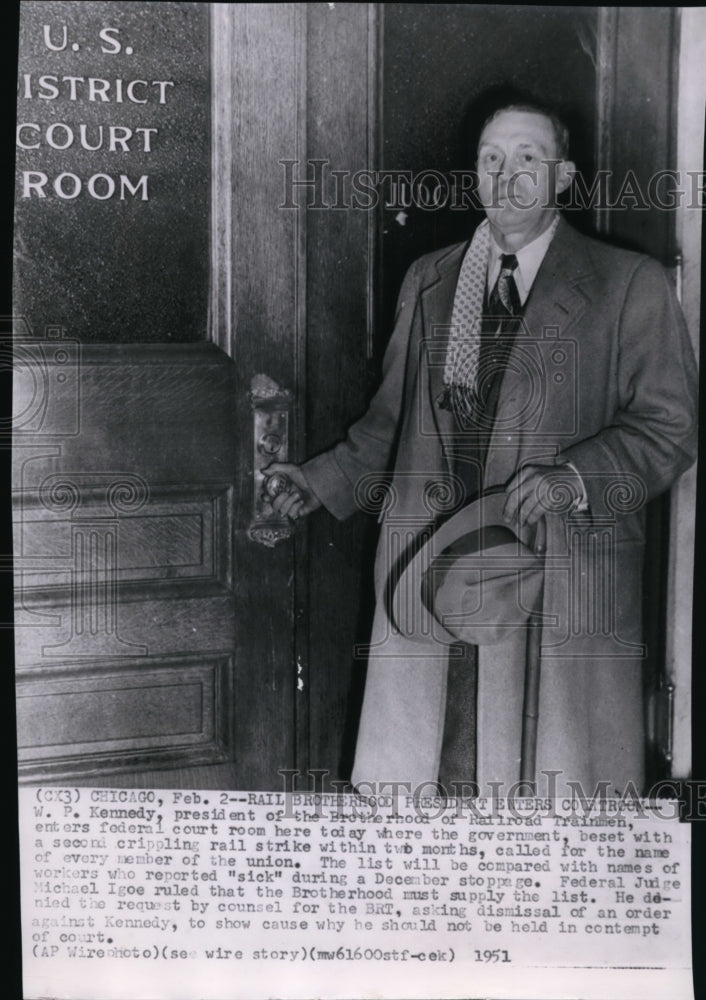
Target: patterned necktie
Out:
[504,300]
[489,352]
[499,326]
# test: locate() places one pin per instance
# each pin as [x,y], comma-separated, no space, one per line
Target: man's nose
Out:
[501,177]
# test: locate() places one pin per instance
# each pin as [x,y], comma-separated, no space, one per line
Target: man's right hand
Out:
[297,501]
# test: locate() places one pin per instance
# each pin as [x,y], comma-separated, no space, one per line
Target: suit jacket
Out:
[602,373]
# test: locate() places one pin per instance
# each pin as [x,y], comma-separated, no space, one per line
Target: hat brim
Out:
[473,581]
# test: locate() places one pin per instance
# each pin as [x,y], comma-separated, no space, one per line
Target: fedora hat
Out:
[476,579]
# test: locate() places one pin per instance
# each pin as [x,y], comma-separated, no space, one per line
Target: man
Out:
[532,357]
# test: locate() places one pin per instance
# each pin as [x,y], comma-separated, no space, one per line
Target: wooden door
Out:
[159,642]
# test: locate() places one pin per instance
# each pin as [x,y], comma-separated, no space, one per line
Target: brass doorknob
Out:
[276,484]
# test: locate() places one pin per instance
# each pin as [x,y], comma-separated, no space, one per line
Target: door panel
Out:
[125,597]
[105,263]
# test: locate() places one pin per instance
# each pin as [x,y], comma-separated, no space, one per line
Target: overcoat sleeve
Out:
[370,441]
[651,434]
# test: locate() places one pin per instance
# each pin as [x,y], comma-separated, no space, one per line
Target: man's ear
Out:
[564,175]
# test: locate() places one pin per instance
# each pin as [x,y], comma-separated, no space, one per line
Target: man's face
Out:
[517,186]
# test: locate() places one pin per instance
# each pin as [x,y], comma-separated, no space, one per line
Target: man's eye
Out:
[529,158]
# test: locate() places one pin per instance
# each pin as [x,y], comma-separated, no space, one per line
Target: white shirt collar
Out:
[529,260]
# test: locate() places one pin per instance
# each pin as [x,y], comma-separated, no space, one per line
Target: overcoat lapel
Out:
[556,297]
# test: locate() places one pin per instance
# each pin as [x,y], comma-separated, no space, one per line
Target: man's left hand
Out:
[529,491]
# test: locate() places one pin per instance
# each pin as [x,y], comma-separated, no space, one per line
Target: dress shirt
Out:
[529,260]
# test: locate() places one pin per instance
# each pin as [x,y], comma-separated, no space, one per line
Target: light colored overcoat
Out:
[602,374]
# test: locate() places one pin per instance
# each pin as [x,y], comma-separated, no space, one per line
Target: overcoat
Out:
[601,374]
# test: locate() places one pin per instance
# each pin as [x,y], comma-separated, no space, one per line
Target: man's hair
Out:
[561,132]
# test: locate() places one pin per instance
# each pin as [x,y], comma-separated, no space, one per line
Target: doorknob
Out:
[276,484]
[271,407]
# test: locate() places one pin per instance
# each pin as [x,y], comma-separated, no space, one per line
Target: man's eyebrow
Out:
[522,143]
